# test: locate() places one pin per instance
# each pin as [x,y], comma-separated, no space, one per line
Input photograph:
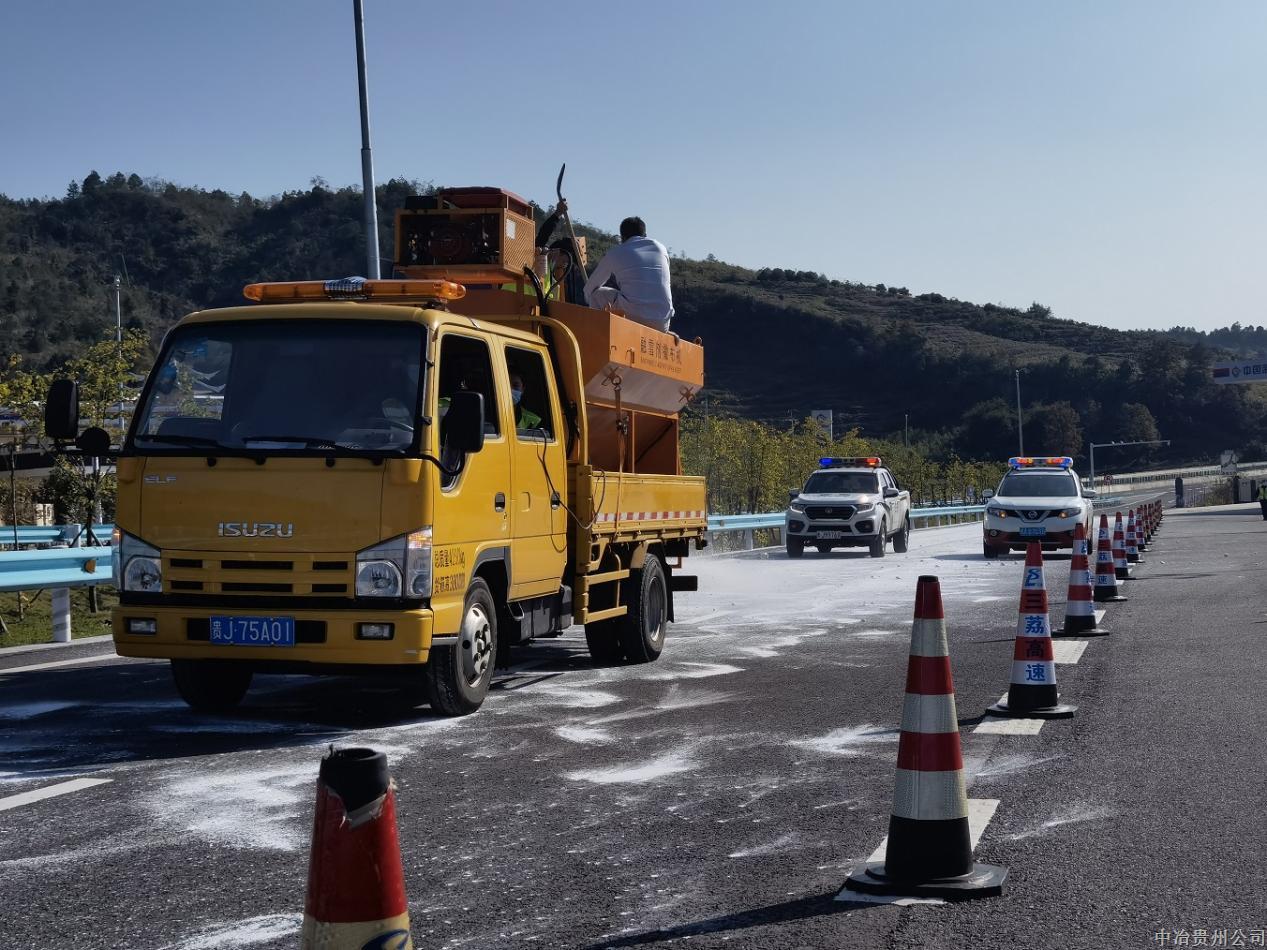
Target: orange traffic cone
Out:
[1079,610]
[356,884]
[1106,590]
[1120,567]
[1032,693]
[1132,541]
[929,852]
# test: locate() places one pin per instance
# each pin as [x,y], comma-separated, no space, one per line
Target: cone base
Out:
[1058,711]
[1109,598]
[1123,575]
[984,880]
[1087,632]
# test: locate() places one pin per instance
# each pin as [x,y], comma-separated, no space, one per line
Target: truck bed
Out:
[625,506]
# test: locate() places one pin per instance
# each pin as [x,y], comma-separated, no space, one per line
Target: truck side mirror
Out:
[61,410]
[462,429]
[94,441]
[987,494]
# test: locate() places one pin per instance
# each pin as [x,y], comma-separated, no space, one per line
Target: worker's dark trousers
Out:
[1262,503]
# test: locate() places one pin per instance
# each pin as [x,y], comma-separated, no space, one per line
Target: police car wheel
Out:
[992,552]
[902,540]
[210,685]
[795,547]
[458,675]
[880,541]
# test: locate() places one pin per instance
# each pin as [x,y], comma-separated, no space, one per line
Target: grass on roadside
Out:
[36,625]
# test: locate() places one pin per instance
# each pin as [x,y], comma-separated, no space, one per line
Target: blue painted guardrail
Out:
[56,568]
[47,534]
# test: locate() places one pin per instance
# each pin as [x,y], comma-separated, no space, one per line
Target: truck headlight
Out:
[137,566]
[398,567]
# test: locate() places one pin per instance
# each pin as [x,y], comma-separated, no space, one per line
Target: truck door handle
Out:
[555,500]
[499,502]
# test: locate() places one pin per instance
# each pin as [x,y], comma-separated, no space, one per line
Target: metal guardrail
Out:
[48,534]
[56,568]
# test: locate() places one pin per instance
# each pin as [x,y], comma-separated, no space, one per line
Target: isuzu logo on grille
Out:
[255,529]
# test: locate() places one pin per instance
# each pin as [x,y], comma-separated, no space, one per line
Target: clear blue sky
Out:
[1105,159]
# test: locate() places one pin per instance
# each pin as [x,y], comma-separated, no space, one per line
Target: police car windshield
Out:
[841,483]
[1038,485]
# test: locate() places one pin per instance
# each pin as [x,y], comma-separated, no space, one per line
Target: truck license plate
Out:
[1036,532]
[253,631]
[831,535]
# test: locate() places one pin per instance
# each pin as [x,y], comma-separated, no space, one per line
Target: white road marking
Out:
[50,791]
[1099,615]
[980,811]
[997,726]
[1068,651]
[49,666]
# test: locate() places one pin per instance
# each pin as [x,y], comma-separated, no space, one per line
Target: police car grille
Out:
[836,512]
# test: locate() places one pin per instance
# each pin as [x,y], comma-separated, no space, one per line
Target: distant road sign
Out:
[1242,371]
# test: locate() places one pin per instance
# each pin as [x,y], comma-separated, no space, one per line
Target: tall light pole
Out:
[1020,432]
[367,162]
[118,339]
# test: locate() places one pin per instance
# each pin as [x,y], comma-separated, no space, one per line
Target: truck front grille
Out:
[216,573]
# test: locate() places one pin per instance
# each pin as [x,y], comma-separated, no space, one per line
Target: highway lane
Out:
[717,797]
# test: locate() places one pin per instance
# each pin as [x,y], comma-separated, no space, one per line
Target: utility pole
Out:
[1020,432]
[906,429]
[118,339]
[367,162]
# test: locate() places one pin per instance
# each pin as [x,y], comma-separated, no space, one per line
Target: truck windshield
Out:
[302,386]
[1054,485]
[841,483]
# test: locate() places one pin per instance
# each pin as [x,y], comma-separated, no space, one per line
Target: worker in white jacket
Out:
[639,269]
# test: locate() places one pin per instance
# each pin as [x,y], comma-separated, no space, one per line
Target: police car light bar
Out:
[873,461]
[1052,461]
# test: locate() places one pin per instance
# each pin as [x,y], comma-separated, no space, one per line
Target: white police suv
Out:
[849,502]
[1039,499]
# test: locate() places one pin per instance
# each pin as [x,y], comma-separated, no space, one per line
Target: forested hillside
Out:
[780,342]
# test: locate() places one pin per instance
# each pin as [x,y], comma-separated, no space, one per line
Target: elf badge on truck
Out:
[406,475]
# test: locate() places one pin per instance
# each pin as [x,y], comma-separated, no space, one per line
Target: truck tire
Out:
[603,640]
[881,540]
[902,540]
[795,547]
[642,632]
[458,675]
[211,685]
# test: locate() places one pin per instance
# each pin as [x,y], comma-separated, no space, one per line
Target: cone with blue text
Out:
[929,848]
[1032,693]
[1132,541]
[1080,619]
[1120,567]
[356,884]
[1106,589]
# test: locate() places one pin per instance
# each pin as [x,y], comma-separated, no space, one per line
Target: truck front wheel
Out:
[458,675]
[644,627]
[210,685]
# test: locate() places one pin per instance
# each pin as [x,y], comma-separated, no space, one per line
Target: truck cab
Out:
[849,502]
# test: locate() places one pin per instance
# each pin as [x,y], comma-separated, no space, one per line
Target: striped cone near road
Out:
[1032,693]
[1079,610]
[1106,589]
[929,851]
[1141,529]
[1120,567]
[356,884]
[1132,546]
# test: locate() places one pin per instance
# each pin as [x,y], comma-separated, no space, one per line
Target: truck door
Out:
[473,507]
[539,546]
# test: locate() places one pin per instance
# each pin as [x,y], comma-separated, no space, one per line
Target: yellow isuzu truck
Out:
[406,475]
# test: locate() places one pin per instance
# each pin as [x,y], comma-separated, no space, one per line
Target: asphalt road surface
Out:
[718,797]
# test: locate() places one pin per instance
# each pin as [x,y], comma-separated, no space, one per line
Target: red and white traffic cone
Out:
[1106,588]
[1141,530]
[356,884]
[1079,611]
[1032,693]
[929,851]
[1120,567]
[1132,545]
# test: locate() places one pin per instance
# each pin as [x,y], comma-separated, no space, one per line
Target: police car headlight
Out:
[797,506]
[864,509]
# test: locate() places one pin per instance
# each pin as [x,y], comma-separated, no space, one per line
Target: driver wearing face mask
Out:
[524,418]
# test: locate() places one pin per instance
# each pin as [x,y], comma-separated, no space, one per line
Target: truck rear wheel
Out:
[603,640]
[211,685]
[458,675]
[642,632]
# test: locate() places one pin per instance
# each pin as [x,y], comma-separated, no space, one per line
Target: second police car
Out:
[1039,499]
[849,502]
